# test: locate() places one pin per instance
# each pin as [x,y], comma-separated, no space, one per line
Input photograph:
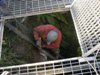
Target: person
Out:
[48,37]
[3,8]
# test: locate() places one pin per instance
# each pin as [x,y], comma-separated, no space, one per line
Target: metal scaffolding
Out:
[72,66]
[1,36]
[22,8]
[86,17]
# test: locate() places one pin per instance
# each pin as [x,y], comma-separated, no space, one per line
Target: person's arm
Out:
[38,42]
[37,39]
[55,44]
[36,35]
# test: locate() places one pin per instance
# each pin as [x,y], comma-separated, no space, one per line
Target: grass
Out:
[18,51]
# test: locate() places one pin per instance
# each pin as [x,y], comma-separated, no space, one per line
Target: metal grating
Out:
[72,66]
[1,35]
[22,8]
[86,16]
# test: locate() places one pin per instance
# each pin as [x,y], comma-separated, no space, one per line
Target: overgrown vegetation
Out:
[9,57]
[19,51]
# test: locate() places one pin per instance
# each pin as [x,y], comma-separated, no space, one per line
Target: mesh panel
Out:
[1,35]
[22,8]
[72,66]
[86,16]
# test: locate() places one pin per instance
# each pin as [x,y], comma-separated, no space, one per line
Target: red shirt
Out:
[44,29]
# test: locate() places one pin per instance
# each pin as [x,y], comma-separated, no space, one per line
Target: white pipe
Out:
[5,73]
[92,50]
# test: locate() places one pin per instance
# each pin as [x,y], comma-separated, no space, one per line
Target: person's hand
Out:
[39,43]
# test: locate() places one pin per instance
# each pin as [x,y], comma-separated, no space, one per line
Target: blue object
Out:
[2,3]
[3,8]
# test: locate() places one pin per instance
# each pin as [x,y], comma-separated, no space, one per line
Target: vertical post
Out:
[1,35]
